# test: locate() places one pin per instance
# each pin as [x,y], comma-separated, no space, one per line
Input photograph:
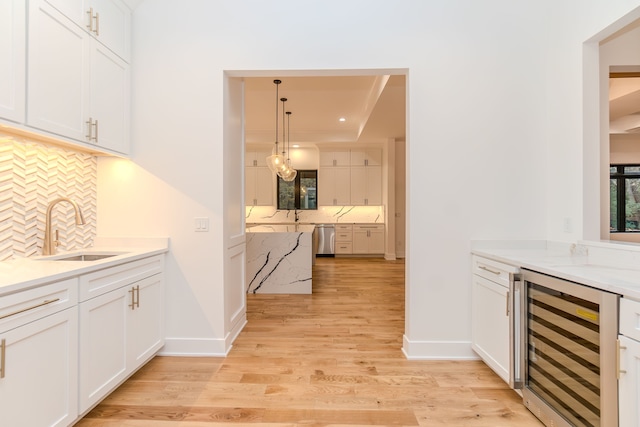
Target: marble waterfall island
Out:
[279,259]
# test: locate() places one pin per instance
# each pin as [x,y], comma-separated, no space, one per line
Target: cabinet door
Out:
[40,382]
[13,54]
[334,158]
[360,241]
[112,26]
[103,358]
[109,99]
[358,185]
[333,186]
[629,383]
[58,85]
[259,186]
[490,324]
[250,190]
[264,186]
[374,185]
[145,326]
[366,185]
[376,241]
[72,9]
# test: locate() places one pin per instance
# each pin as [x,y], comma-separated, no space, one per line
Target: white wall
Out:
[488,155]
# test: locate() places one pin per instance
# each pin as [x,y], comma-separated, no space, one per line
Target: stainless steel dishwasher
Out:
[325,238]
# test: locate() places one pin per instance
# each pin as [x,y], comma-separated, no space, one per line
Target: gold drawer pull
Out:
[482,267]
[49,301]
[3,346]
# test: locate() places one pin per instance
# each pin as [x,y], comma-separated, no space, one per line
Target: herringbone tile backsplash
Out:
[31,176]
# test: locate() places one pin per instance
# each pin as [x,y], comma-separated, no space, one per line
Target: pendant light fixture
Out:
[275,161]
[292,171]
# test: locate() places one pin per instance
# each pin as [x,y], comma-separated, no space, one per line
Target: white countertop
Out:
[578,267]
[281,228]
[24,273]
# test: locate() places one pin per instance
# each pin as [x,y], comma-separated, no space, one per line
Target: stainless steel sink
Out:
[89,256]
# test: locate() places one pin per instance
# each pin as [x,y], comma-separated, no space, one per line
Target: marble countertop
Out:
[577,266]
[24,273]
[281,228]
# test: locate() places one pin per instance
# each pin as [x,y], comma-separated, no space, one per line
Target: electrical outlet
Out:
[201,224]
[567,225]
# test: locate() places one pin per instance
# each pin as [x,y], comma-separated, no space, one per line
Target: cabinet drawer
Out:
[26,306]
[493,270]
[99,282]
[630,318]
[372,227]
[344,248]
[344,236]
[344,227]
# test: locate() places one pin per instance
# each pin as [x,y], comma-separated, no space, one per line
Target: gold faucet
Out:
[49,245]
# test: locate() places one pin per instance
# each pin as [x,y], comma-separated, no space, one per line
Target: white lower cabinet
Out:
[490,324]
[491,315]
[39,356]
[121,328]
[368,239]
[629,364]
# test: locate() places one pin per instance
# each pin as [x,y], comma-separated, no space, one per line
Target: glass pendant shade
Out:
[275,162]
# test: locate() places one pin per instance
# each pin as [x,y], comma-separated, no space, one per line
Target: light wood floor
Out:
[328,359]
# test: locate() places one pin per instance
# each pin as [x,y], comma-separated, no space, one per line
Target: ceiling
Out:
[624,105]
[374,109]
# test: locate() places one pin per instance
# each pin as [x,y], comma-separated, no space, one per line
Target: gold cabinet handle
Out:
[97,31]
[90,24]
[89,124]
[4,316]
[95,124]
[508,295]
[135,297]
[482,267]
[3,348]
[618,361]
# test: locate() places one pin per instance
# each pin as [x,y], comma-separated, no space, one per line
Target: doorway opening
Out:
[380,89]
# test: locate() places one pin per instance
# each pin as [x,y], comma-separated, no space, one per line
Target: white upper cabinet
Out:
[109,101]
[334,186]
[334,158]
[366,185]
[58,77]
[12,52]
[259,180]
[77,88]
[366,157]
[108,21]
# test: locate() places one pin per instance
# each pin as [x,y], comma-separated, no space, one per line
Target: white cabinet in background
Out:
[344,239]
[629,363]
[39,356]
[13,54]
[121,325]
[368,239]
[334,158]
[366,157]
[77,88]
[334,186]
[259,180]
[366,185]
[491,313]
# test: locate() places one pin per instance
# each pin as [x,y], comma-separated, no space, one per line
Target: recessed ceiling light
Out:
[295,146]
[342,119]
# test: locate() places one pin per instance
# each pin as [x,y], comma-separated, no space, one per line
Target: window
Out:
[624,198]
[301,193]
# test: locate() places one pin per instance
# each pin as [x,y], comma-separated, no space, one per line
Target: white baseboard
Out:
[438,350]
[194,347]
